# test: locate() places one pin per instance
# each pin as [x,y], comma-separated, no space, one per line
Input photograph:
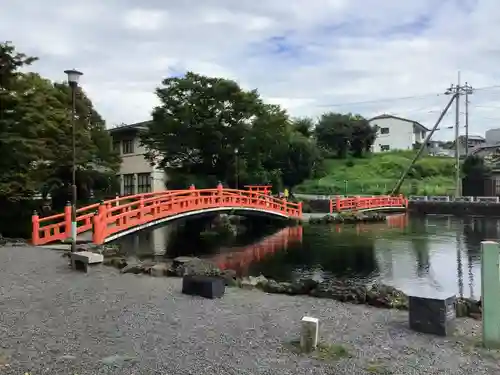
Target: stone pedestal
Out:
[80,260]
[203,286]
[309,334]
[432,315]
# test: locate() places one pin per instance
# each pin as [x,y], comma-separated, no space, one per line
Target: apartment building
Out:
[397,133]
[136,173]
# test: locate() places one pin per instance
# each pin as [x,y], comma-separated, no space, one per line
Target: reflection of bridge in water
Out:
[240,260]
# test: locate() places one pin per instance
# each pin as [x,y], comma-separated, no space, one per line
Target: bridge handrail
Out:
[125,208]
[151,209]
[340,204]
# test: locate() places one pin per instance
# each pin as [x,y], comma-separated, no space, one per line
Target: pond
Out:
[419,255]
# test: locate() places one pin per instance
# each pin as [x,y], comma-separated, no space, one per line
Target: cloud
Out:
[328,55]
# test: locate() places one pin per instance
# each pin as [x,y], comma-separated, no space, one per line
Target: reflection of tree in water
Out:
[420,245]
[345,254]
[476,230]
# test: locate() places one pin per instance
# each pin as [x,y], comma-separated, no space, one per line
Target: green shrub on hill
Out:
[378,174]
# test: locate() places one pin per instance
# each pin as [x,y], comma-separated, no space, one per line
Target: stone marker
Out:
[432,315]
[490,290]
[80,260]
[203,286]
[309,334]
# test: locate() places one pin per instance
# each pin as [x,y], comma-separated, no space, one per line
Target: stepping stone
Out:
[80,260]
[203,286]
[434,316]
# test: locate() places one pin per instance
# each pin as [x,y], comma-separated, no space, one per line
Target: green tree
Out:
[208,129]
[199,124]
[475,168]
[304,126]
[27,120]
[363,136]
[344,133]
[36,131]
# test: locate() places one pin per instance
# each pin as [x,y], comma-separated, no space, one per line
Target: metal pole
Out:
[237,171]
[423,146]
[457,140]
[466,119]
[73,186]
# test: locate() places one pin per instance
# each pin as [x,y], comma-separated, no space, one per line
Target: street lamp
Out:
[73,77]
[237,177]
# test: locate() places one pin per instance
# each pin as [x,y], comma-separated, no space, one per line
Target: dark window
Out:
[384,130]
[385,147]
[116,146]
[128,146]
[128,184]
[143,183]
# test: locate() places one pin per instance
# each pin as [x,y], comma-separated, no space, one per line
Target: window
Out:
[143,183]
[128,146]
[384,130]
[116,146]
[385,147]
[128,184]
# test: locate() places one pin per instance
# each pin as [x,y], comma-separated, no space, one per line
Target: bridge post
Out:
[98,233]
[356,202]
[141,208]
[490,289]
[337,203]
[67,220]
[35,234]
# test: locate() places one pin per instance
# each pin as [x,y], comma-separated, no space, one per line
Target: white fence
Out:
[431,198]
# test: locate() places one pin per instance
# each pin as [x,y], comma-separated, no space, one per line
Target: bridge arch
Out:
[112,219]
[243,211]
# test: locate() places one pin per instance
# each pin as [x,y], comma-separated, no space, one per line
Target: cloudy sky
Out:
[363,56]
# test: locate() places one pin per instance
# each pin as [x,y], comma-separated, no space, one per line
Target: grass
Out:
[378,174]
[324,352]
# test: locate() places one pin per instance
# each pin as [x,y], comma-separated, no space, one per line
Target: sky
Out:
[361,56]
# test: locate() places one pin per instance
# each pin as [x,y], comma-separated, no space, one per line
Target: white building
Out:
[397,133]
[136,173]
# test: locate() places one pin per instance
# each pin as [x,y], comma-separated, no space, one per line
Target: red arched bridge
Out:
[111,219]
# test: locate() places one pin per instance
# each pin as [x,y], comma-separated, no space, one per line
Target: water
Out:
[423,256]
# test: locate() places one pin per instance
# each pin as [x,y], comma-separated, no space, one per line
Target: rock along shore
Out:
[377,295]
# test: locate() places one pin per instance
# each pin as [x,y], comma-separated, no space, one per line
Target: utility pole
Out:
[396,188]
[458,90]
[468,91]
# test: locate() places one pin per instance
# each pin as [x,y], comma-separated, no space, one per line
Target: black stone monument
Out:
[203,286]
[432,315]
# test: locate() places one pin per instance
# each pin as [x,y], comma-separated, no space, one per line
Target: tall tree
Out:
[199,124]
[333,133]
[35,131]
[304,126]
[344,133]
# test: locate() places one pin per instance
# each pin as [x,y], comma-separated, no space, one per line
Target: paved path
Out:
[57,321]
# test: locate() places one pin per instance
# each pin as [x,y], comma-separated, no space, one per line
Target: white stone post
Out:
[309,334]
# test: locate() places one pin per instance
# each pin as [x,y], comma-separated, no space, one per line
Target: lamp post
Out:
[236,172]
[73,77]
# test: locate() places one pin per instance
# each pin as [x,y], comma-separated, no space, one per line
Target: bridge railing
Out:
[114,219]
[340,204]
[58,227]
[445,198]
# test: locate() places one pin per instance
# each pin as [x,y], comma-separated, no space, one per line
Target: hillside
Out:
[378,173]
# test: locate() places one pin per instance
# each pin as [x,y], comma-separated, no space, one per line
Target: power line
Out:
[423,96]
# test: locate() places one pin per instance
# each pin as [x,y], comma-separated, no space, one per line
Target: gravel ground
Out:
[56,321]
